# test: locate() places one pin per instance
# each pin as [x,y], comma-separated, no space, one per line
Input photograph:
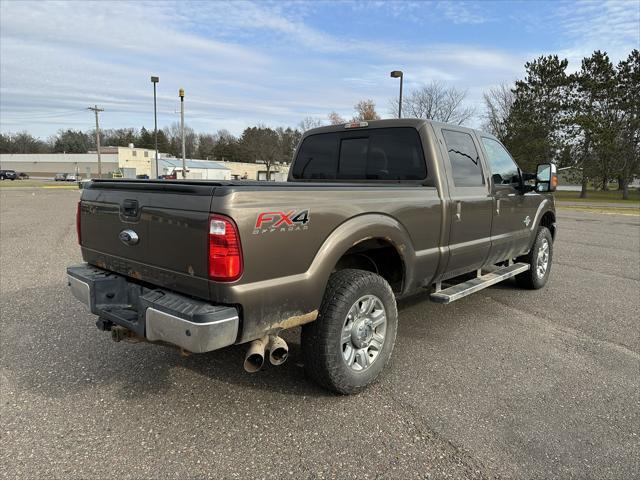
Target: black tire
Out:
[322,342]
[532,278]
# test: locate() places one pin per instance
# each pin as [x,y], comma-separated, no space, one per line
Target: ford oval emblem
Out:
[128,237]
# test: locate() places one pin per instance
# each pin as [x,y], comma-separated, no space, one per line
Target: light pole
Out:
[155,80]
[398,74]
[184,161]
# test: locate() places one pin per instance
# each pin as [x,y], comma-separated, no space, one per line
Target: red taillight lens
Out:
[225,252]
[78,222]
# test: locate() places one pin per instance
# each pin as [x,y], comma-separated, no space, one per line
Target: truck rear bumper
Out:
[156,314]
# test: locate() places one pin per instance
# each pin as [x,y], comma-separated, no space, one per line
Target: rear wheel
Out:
[350,343]
[539,257]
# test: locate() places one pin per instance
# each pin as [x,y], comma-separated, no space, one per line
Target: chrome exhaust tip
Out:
[278,350]
[254,359]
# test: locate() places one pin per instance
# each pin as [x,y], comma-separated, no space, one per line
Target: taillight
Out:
[78,222]
[225,252]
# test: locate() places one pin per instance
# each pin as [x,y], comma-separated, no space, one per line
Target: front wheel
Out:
[539,258]
[350,343]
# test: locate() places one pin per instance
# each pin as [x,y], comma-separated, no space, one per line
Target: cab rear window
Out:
[387,154]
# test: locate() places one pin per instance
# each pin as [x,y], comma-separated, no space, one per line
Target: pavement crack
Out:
[475,466]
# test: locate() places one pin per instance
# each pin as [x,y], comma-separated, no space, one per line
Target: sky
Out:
[275,63]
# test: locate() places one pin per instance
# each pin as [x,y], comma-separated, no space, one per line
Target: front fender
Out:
[547,205]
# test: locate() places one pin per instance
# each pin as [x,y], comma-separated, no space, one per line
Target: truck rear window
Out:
[390,154]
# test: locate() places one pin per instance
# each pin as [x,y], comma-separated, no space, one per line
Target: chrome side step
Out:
[456,292]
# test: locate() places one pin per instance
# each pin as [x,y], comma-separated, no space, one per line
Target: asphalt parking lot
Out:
[505,383]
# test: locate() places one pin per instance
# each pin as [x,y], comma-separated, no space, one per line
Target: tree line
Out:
[587,121]
[260,143]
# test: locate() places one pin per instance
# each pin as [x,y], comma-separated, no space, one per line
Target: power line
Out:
[37,116]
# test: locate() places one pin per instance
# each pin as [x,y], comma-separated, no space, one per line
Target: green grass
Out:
[598,196]
[631,212]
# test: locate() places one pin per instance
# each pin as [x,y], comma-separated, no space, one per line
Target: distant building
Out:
[196,169]
[130,161]
[48,164]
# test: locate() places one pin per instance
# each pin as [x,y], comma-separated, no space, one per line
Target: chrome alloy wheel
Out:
[363,333]
[542,261]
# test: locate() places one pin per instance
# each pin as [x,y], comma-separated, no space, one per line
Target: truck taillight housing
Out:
[225,251]
[78,222]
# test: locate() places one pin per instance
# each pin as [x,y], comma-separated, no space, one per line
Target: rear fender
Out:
[286,302]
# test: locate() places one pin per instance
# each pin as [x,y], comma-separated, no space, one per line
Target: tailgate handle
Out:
[130,208]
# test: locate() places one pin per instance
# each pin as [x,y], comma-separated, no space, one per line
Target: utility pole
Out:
[184,161]
[96,110]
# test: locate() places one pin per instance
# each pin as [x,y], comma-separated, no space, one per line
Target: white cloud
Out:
[462,12]
[612,26]
[245,63]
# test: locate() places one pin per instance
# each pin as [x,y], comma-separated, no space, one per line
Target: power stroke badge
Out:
[290,221]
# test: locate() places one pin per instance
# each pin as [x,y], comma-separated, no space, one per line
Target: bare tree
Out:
[308,123]
[335,119]
[435,101]
[365,111]
[174,136]
[498,102]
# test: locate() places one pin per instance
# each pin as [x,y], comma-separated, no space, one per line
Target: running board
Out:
[456,292]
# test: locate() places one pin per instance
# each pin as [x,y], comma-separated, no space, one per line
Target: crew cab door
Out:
[513,211]
[470,203]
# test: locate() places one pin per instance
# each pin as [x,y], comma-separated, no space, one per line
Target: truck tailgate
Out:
[170,222]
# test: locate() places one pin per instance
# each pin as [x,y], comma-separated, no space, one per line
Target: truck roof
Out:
[390,122]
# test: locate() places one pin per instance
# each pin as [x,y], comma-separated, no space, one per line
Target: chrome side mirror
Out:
[546,177]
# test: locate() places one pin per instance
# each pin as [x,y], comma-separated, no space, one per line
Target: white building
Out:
[196,169]
[130,161]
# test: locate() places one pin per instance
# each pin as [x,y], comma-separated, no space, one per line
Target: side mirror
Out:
[546,177]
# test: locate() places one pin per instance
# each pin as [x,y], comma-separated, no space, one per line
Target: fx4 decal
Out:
[290,221]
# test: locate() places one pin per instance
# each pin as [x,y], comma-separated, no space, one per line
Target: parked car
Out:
[372,211]
[8,175]
[71,177]
[60,177]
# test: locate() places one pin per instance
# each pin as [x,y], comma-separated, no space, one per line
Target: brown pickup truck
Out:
[371,212]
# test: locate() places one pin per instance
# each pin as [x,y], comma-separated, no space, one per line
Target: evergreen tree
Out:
[534,126]
[628,94]
[73,141]
[146,139]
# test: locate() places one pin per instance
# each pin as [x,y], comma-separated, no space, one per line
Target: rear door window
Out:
[464,158]
[387,154]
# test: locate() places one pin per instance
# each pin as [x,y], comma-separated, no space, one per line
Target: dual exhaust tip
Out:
[276,346]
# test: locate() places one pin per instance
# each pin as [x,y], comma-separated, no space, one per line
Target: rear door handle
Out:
[458,211]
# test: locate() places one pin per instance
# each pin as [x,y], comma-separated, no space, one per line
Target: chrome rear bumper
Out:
[156,314]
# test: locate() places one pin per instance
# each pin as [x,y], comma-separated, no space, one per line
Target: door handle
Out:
[498,206]
[458,211]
